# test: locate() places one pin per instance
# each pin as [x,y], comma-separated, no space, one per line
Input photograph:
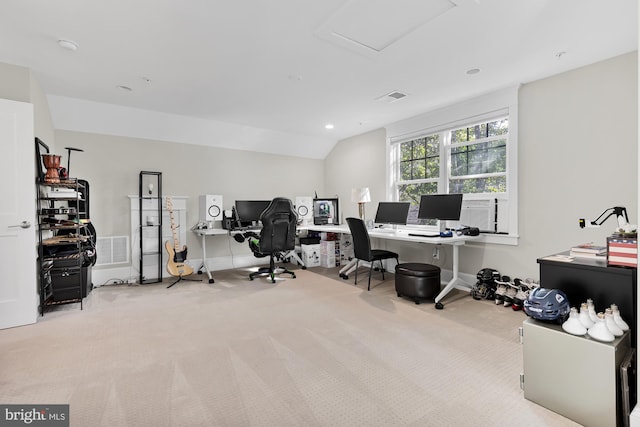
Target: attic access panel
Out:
[370,26]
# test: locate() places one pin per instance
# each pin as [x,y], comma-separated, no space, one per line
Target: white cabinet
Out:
[577,377]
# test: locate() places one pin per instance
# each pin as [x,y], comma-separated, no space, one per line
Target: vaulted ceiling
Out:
[294,66]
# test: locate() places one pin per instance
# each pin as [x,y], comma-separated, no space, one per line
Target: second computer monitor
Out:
[440,206]
[392,213]
[249,211]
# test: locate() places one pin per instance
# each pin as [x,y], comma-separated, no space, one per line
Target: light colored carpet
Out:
[310,351]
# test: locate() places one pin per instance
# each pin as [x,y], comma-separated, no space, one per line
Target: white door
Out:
[18,246]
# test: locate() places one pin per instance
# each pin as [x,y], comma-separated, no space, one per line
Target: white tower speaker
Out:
[304,209]
[211,207]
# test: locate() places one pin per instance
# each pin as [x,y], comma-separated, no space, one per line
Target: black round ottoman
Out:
[417,281]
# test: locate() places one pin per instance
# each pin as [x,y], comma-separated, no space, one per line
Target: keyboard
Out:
[424,235]
[384,230]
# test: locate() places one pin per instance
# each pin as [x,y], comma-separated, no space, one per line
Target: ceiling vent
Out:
[392,97]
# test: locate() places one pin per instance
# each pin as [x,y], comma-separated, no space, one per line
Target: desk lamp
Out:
[360,196]
[619,211]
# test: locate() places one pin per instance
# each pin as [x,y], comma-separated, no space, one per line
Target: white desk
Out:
[403,235]
[203,233]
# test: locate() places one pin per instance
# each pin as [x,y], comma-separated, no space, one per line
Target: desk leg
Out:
[348,269]
[204,259]
[456,281]
[295,256]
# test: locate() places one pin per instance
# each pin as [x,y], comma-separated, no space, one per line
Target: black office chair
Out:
[278,236]
[362,248]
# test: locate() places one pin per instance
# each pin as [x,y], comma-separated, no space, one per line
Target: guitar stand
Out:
[181,278]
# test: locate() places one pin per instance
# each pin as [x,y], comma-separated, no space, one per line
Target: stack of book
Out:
[588,250]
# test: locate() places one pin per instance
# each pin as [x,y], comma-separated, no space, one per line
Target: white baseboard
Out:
[110,276]
[228,262]
[129,274]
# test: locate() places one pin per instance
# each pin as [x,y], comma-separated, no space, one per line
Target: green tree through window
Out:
[468,159]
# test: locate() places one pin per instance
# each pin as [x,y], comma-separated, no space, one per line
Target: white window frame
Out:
[477,110]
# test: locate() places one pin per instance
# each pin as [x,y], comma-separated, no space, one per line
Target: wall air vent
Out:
[112,250]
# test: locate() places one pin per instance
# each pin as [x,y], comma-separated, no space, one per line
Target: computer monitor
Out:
[392,213]
[440,206]
[249,211]
[325,211]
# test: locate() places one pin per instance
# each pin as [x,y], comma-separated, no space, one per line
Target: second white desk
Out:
[403,235]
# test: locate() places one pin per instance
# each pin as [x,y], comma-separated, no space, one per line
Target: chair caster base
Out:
[211,281]
[439,306]
[344,276]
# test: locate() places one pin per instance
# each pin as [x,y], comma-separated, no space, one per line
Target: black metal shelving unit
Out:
[150,206]
[61,236]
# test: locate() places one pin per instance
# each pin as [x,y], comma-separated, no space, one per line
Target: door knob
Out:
[23,224]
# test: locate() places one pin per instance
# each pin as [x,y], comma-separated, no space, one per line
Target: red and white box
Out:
[328,249]
[622,251]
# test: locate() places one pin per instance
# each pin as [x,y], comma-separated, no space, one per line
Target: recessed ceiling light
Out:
[473,71]
[124,88]
[328,126]
[561,54]
[68,44]
[147,80]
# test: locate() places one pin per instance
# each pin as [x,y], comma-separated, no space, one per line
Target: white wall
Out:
[18,84]
[577,157]
[360,162]
[42,116]
[112,164]
[108,119]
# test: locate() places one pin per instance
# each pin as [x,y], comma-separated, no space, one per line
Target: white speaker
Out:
[304,209]
[211,207]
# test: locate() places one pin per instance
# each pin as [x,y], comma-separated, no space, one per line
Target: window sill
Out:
[497,239]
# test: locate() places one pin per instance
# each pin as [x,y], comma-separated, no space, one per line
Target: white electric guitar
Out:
[176,265]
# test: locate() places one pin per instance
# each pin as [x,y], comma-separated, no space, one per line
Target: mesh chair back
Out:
[361,241]
[279,221]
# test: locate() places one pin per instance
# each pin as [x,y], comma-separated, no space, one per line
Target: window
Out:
[478,158]
[444,152]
